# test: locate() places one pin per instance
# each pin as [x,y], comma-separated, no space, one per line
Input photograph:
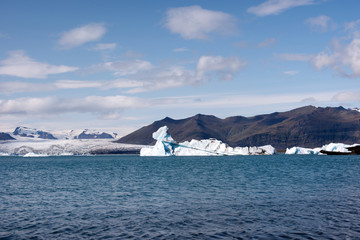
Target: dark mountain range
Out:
[305,127]
[6,136]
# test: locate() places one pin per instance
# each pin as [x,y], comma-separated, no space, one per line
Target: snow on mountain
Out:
[166,146]
[84,134]
[356,109]
[32,133]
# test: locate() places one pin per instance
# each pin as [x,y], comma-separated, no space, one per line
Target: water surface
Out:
[132,197]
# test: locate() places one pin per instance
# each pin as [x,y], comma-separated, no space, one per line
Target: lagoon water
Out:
[132,197]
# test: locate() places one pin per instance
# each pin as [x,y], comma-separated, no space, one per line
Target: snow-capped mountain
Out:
[26,132]
[32,133]
[85,134]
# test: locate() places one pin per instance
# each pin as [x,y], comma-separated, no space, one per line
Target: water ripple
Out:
[128,197]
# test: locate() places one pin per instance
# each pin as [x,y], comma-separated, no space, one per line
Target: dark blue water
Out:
[129,197]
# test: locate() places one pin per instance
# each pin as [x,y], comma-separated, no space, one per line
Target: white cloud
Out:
[81,35]
[15,87]
[105,46]
[348,96]
[132,54]
[291,73]
[195,22]
[274,7]
[177,76]
[123,68]
[343,59]
[267,43]
[224,67]
[55,106]
[20,65]
[111,107]
[171,77]
[74,84]
[180,50]
[28,105]
[294,57]
[142,76]
[353,26]
[121,84]
[321,23]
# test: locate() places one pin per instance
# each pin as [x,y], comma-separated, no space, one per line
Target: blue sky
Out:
[120,65]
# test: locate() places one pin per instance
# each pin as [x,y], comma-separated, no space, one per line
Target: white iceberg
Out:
[167,146]
[335,148]
[301,150]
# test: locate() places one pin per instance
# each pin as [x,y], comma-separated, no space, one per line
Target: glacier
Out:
[34,147]
[167,146]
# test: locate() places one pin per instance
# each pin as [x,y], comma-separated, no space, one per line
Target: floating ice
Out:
[300,150]
[166,146]
[329,148]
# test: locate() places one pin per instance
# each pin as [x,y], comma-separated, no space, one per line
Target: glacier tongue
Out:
[166,146]
[40,147]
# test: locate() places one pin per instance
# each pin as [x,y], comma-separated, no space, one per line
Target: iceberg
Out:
[330,149]
[167,146]
[301,150]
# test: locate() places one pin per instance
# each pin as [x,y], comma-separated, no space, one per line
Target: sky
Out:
[120,65]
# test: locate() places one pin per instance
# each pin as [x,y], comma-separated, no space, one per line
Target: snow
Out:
[49,147]
[31,132]
[356,109]
[166,146]
[74,134]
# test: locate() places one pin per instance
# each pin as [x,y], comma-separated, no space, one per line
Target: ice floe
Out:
[167,146]
[332,148]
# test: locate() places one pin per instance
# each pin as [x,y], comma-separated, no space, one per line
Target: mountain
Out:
[307,126]
[32,133]
[87,134]
[6,136]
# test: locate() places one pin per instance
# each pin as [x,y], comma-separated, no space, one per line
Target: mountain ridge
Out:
[306,126]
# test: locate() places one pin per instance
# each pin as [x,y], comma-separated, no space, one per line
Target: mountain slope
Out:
[306,126]
[32,133]
[6,136]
